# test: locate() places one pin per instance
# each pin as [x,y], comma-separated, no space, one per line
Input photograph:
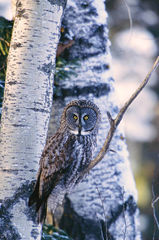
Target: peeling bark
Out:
[26,111]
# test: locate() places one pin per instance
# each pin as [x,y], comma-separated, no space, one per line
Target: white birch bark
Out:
[103,206]
[26,110]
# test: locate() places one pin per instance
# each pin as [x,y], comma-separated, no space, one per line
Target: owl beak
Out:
[79,129]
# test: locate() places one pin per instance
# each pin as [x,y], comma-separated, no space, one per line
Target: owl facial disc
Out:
[81,120]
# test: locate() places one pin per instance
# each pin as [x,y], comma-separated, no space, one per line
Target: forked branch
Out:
[115,122]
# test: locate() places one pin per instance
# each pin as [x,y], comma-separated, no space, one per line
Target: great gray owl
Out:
[65,155]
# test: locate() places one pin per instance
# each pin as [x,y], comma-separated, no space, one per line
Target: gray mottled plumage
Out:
[65,155]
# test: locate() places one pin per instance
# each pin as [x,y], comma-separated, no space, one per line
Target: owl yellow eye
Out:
[85,117]
[75,116]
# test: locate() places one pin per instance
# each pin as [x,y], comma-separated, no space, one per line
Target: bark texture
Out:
[103,206]
[26,110]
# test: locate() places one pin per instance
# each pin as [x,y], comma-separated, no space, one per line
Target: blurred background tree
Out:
[134,34]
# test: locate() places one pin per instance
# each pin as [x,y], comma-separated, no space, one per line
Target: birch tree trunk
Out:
[26,110]
[103,206]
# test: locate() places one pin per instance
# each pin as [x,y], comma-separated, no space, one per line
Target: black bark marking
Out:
[13,171]
[11,95]
[5,109]
[21,12]
[18,4]
[47,68]
[83,228]
[7,229]
[13,82]
[89,9]
[31,46]
[39,110]
[129,206]
[16,45]
[19,125]
[92,12]
[100,68]
[97,90]
[58,2]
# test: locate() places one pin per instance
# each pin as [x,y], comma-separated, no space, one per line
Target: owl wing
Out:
[50,175]
[51,170]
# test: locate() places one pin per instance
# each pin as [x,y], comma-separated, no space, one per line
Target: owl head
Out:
[81,117]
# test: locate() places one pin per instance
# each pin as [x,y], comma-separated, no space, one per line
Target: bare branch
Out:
[153,207]
[136,93]
[115,122]
[111,120]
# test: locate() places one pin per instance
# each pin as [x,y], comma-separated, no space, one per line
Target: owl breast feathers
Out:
[66,155]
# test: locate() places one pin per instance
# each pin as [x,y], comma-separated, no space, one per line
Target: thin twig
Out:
[154,211]
[105,236]
[115,122]
[156,199]
[130,16]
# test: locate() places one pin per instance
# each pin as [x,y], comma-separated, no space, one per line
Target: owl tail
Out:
[41,204]
[41,208]
[42,212]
